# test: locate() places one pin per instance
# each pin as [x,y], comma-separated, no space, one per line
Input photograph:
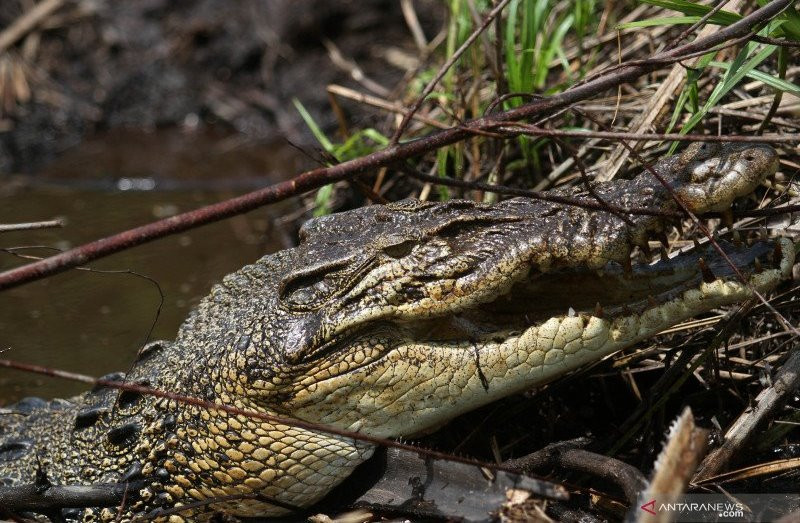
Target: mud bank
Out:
[93,65]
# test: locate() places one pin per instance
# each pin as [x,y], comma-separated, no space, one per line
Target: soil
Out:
[96,65]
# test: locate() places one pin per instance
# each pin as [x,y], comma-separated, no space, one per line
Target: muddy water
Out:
[94,322]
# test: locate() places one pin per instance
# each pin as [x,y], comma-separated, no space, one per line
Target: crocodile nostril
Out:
[750,157]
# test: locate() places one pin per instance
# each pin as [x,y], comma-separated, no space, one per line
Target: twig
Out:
[786,382]
[586,203]
[381,103]
[352,68]
[33,497]
[446,67]
[388,156]
[522,128]
[566,457]
[49,224]
[412,21]
[775,41]
[25,23]
[262,416]
[705,18]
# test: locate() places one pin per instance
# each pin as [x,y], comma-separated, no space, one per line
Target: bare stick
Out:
[557,490]
[446,67]
[521,128]
[34,497]
[388,156]
[49,224]
[565,456]
[25,23]
[380,103]
[786,382]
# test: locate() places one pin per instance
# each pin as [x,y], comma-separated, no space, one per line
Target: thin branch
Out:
[446,67]
[262,416]
[381,103]
[390,155]
[27,22]
[775,41]
[586,203]
[28,226]
[565,456]
[692,28]
[532,130]
[34,497]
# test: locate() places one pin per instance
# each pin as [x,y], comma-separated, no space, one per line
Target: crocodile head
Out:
[392,319]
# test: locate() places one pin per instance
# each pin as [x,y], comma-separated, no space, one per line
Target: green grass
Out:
[751,56]
[359,144]
[536,39]
[535,33]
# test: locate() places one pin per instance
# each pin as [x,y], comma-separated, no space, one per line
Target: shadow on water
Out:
[94,322]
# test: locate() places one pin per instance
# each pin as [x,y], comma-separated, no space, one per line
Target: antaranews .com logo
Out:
[722,508]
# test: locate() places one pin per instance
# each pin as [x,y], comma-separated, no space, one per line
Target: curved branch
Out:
[32,497]
[390,155]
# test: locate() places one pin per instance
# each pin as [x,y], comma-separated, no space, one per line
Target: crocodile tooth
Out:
[708,275]
[763,233]
[737,238]
[598,311]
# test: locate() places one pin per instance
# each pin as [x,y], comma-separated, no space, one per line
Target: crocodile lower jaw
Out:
[448,366]
[566,342]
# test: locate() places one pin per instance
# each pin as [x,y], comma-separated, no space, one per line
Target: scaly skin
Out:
[388,320]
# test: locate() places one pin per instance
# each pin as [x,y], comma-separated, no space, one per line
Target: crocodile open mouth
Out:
[459,303]
[612,290]
[615,291]
[546,325]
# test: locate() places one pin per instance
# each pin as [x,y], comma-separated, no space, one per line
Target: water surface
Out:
[94,322]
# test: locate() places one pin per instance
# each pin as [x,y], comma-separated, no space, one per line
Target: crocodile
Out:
[390,320]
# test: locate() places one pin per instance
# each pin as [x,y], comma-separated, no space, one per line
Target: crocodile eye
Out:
[301,297]
[400,249]
[307,292]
